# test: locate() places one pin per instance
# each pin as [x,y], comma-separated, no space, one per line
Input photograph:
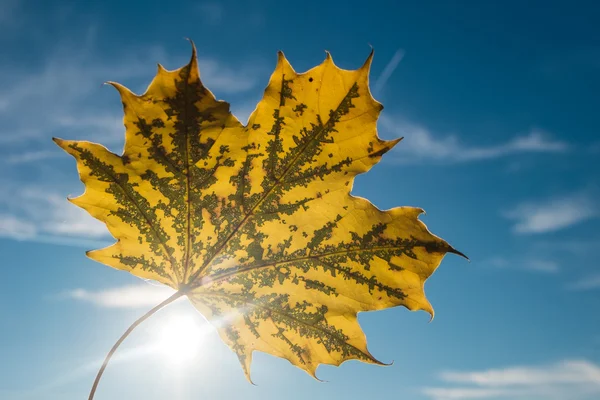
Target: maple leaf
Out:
[255,224]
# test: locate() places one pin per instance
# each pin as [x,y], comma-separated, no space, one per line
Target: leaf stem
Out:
[144,317]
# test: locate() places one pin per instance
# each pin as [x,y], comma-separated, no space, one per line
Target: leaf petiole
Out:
[144,317]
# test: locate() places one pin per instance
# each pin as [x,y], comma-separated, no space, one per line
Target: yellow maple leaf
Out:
[256,224]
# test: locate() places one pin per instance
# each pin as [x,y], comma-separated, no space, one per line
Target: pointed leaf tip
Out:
[458,253]
[376,361]
[328,59]
[383,364]
[280,59]
[194,51]
[124,92]
[315,377]
[248,377]
[283,63]
[367,64]
[394,142]
[60,142]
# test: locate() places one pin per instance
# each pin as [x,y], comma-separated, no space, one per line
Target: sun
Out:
[179,340]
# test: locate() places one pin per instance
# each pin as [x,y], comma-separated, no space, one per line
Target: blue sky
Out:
[497,102]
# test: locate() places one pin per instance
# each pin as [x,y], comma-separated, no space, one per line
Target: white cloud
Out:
[60,96]
[568,379]
[37,214]
[31,156]
[132,296]
[531,264]
[106,123]
[588,283]
[11,226]
[565,372]
[552,214]
[580,245]
[465,393]
[542,266]
[420,145]
[64,91]
[222,78]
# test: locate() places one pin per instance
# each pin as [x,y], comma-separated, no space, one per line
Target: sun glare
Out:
[179,340]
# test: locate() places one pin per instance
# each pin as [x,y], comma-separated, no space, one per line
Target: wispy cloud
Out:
[219,77]
[568,379]
[588,283]
[62,92]
[37,214]
[573,246]
[552,214]
[31,156]
[13,227]
[388,71]
[529,264]
[421,145]
[64,89]
[132,296]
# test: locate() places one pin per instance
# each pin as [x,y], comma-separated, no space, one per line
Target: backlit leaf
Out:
[256,224]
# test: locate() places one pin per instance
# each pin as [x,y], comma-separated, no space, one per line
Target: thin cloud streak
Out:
[529,264]
[224,79]
[578,246]
[572,379]
[132,296]
[588,283]
[420,145]
[388,71]
[64,90]
[64,94]
[31,156]
[40,215]
[552,214]
[13,227]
